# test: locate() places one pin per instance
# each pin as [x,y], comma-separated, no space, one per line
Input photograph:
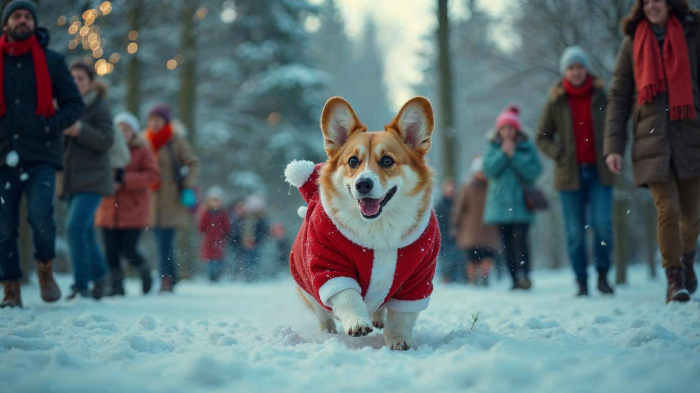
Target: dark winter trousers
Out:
[37,182]
[678,221]
[120,242]
[516,250]
[165,237]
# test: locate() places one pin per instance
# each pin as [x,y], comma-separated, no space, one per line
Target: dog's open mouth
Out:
[372,208]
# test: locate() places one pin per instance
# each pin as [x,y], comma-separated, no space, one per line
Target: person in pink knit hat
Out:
[510,163]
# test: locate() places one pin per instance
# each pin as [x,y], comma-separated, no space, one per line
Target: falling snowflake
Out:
[23,177]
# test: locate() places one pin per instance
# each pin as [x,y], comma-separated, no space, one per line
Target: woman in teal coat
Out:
[511,162]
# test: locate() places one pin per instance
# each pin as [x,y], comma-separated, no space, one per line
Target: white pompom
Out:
[298,172]
[301,211]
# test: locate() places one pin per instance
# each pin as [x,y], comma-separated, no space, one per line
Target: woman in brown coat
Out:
[656,80]
[87,177]
[173,194]
[473,237]
[123,216]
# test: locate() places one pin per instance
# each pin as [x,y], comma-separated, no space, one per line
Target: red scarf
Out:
[582,119]
[655,73]
[44,92]
[158,139]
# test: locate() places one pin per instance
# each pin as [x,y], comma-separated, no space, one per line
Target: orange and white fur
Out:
[393,164]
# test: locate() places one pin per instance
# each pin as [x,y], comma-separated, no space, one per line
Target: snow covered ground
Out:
[259,338]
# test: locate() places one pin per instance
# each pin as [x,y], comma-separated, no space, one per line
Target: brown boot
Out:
[13,297]
[676,291]
[166,284]
[50,292]
[691,280]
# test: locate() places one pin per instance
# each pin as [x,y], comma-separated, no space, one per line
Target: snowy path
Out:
[258,338]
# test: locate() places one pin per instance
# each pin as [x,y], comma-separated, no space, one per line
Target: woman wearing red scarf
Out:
[654,82]
[571,133]
[173,194]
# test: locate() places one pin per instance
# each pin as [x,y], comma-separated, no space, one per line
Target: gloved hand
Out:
[188,198]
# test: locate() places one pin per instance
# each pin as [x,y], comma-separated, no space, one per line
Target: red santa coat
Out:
[325,261]
[214,225]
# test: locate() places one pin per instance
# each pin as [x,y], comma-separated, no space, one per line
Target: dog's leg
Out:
[352,312]
[325,319]
[378,318]
[398,331]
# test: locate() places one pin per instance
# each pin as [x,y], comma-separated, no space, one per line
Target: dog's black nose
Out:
[364,186]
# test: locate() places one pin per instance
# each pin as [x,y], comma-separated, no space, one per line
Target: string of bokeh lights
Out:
[88,37]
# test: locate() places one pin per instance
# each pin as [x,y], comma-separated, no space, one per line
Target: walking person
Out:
[173,193]
[511,163]
[657,63]
[214,225]
[32,77]
[124,215]
[87,177]
[474,240]
[254,231]
[449,259]
[570,132]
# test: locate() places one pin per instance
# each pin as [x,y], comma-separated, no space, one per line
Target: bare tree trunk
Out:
[445,122]
[620,235]
[651,238]
[188,51]
[133,79]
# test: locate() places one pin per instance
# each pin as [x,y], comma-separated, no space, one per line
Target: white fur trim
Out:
[301,211]
[381,279]
[407,305]
[335,285]
[298,172]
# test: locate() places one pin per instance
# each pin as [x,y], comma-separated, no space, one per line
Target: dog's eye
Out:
[386,161]
[353,162]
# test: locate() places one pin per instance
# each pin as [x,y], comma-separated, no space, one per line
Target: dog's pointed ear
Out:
[338,123]
[415,124]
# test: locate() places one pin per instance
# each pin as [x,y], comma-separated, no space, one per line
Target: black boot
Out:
[676,291]
[75,292]
[98,289]
[146,280]
[603,285]
[582,288]
[691,280]
[116,288]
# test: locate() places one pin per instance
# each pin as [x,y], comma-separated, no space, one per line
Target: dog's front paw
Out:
[358,327]
[400,343]
[378,323]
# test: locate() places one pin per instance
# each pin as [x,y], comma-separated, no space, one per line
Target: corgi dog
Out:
[367,248]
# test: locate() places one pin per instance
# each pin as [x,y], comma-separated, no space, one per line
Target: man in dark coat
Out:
[31,129]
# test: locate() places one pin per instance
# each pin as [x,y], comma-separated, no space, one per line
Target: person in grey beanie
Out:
[570,132]
[38,100]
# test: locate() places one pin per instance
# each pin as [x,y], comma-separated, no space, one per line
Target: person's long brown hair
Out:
[680,8]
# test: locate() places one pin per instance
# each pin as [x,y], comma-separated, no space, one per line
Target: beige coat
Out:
[466,218]
[167,211]
[657,141]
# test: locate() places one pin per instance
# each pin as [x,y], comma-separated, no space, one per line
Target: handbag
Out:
[534,198]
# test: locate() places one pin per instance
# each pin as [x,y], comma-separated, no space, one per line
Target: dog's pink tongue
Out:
[369,206]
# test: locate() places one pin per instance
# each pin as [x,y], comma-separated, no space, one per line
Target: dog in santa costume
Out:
[366,251]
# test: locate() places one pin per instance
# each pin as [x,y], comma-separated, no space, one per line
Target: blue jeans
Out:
[39,187]
[250,265]
[165,237]
[597,198]
[214,268]
[88,261]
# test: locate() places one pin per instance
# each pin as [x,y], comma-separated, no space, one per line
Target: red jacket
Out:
[325,261]
[130,206]
[214,225]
